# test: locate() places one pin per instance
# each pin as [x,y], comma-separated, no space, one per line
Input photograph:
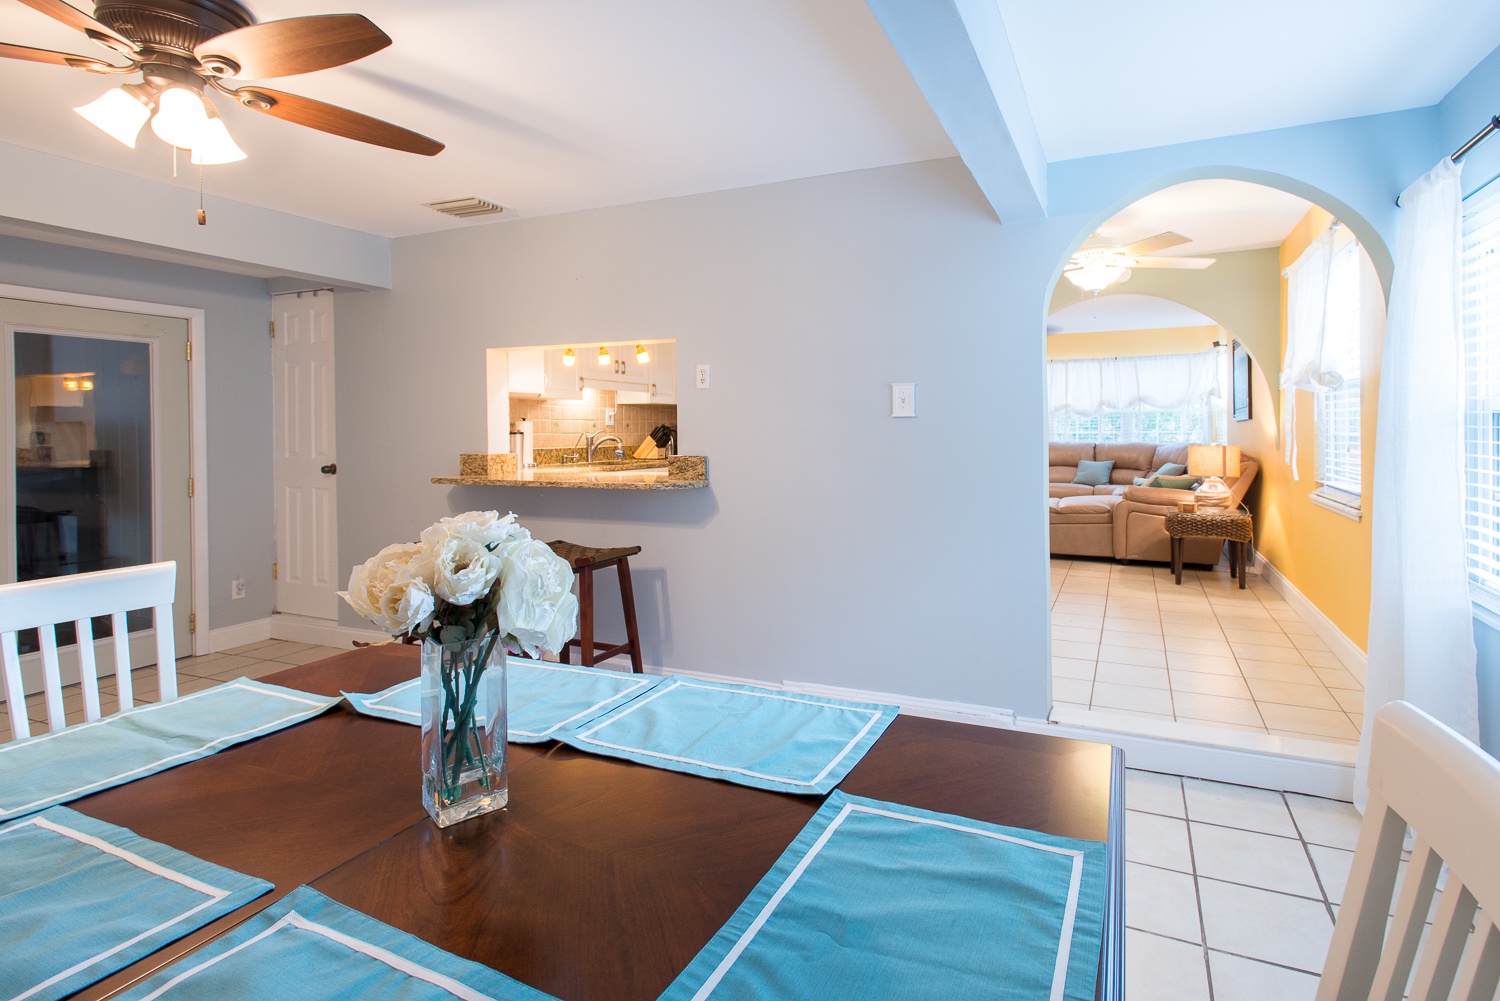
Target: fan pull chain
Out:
[174,163]
[202,215]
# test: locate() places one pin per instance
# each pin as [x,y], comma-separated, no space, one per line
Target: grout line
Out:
[1208,972]
[1307,850]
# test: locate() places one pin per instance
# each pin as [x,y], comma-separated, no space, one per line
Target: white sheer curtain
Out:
[1087,387]
[1421,620]
[1315,357]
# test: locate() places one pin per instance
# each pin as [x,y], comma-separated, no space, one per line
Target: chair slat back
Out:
[1425,775]
[79,598]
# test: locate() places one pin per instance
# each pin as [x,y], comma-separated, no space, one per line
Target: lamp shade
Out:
[118,113]
[1213,460]
[180,118]
[214,144]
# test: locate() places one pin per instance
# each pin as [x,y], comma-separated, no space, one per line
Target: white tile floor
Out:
[254,660]
[1129,640]
[1230,892]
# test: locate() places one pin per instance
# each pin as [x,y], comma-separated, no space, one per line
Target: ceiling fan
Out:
[183,48]
[1097,264]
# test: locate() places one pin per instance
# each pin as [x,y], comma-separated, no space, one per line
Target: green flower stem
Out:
[460,744]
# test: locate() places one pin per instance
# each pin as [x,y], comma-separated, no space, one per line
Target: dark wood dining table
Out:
[603,878]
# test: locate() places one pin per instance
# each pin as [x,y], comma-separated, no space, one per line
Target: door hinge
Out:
[189,350]
[273,330]
[275,568]
[190,486]
[192,622]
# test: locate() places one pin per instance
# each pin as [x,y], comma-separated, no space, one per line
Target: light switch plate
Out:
[903,399]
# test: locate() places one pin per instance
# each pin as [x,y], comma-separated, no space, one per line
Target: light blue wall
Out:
[836,546]
[1464,112]
[241,540]
[1460,115]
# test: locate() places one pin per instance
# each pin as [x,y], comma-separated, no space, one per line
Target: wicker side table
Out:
[1232,526]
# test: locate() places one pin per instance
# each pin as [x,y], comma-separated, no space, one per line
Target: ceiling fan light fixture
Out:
[215,145]
[1095,276]
[117,113]
[181,118]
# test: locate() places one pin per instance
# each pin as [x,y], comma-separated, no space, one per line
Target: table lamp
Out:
[1213,462]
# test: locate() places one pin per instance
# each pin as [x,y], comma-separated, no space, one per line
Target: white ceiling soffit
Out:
[546,106]
[1124,312]
[1106,76]
[1218,216]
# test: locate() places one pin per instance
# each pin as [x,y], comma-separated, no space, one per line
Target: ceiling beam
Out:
[959,54]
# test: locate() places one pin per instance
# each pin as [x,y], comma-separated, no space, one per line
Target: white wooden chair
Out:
[40,604]
[1424,774]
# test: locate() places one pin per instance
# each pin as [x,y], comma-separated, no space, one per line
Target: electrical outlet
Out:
[701,381]
[903,399]
[237,589]
[609,418]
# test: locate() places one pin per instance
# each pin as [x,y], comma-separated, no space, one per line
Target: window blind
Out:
[1337,407]
[1479,310]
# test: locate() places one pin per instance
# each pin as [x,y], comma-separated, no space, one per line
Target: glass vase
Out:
[463,728]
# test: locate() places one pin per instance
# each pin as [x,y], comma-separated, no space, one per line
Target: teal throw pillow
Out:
[1176,482]
[1171,469]
[1092,473]
[1141,481]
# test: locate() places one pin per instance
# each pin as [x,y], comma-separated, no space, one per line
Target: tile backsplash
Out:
[559,423]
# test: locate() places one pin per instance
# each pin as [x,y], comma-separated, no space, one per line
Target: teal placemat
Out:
[784,741]
[63,765]
[542,698]
[308,946]
[80,899]
[876,900]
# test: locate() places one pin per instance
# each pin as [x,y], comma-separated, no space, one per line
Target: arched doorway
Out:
[1133,650]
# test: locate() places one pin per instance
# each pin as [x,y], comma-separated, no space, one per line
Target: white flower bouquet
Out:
[470,576]
[477,586]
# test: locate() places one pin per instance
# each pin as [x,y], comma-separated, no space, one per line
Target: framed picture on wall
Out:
[1239,399]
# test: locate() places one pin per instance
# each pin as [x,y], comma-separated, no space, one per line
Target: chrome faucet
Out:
[594,441]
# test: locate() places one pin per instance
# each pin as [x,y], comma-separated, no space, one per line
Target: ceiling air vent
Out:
[465,208]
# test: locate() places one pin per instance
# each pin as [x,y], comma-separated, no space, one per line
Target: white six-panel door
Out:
[305,474]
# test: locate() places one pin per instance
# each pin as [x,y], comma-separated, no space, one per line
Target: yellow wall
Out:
[1324,555]
[1131,343]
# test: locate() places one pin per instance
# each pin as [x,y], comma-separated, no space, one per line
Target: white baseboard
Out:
[229,637]
[1347,651]
[327,632]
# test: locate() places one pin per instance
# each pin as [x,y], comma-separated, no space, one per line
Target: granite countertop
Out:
[676,472]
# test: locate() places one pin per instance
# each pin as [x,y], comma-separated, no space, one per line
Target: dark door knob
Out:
[330,469]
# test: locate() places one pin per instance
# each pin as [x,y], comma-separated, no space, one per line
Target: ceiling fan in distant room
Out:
[1098,265]
[183,48]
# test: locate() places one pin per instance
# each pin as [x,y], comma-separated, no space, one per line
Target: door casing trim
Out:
[197,422]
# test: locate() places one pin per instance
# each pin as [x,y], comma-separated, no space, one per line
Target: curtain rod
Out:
[1490,129]
[1479,137]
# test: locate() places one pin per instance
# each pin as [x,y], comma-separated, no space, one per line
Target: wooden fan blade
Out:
[75,18]
[1192,263]
[295,45]
[1151,244]
[54,58]
[333,119]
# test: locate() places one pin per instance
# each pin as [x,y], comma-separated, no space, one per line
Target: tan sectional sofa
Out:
[1118,519]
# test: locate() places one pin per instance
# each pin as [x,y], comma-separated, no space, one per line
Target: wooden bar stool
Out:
[585,560]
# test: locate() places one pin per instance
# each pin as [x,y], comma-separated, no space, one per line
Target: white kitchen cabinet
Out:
[663,372]
[541,372]
[562,380]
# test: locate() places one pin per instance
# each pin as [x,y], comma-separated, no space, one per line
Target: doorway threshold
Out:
[1268,761]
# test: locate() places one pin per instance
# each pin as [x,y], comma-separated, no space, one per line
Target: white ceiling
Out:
[1218,216]
[1103,76]
[546,106]
[1123,312]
